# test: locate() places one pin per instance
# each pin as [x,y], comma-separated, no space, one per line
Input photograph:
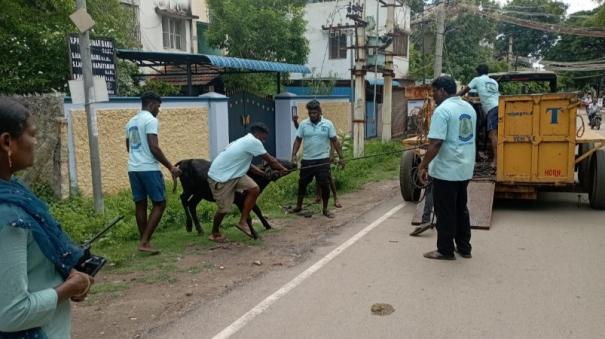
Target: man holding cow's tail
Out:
[227,174]
[318,134]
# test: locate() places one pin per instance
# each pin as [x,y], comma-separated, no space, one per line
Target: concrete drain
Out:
[382,309]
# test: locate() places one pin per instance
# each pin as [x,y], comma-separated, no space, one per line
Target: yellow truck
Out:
[543,145]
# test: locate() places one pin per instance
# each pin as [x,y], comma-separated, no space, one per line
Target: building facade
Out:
[331,37]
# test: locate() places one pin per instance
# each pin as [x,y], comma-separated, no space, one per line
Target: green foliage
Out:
[468,41]
[264,30]
[321,86]
[33,40]
[420,67]
[523,87]
[160,87]
[79,220]
[579,48]
[127,72]
[530,41]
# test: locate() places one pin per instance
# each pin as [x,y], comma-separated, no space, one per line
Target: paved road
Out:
[538,273]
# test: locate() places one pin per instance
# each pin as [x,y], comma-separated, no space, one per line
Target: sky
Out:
[574,5]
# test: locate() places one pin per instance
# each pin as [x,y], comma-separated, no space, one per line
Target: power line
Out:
[541,26]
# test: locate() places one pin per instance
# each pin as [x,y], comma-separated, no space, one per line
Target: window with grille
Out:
[338,45]
[174,33]
[400,44]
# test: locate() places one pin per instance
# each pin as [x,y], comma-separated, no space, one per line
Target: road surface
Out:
[538,273]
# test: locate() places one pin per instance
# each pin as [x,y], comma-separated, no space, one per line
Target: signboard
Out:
[103,55]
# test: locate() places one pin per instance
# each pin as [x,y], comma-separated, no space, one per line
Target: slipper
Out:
[337,205]
[149,250]
[246,230]
[220,238]
[421,229]
[328,214]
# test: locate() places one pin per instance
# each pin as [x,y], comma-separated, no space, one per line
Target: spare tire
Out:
[408,181]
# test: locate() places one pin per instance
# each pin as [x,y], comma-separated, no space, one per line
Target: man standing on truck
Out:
[450,161]
[489,95]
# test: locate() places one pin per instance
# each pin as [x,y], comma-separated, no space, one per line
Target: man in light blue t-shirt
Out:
[227,174]
[318,134]
[487,88]
[144,158]
[450,161]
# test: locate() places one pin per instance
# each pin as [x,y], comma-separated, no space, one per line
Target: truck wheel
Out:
[597,169]
[408,182]
[584,175]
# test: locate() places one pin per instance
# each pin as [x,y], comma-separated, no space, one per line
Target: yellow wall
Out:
[183,134]
[337,112]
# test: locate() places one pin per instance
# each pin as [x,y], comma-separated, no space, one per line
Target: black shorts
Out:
[318,169]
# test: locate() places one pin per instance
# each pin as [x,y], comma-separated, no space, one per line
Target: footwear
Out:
[245,230]
[328,214]
[149,250]
[217,238]
[421,229]
[464,255]
[437,255]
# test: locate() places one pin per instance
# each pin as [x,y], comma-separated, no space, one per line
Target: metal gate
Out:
[246,109]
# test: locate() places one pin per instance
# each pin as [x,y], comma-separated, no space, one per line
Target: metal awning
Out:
[171,64]
[219,61]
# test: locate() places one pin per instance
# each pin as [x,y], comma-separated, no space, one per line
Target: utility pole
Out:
[91,117]
[438,66]
[510,53]
[387,74]
[357,14]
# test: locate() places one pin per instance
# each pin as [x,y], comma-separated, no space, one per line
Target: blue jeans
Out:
[492,119]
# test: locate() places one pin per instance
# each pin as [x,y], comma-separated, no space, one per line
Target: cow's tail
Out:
[174,183]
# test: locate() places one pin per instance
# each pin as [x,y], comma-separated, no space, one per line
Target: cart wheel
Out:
[597,169]
[408,182]
[584,175]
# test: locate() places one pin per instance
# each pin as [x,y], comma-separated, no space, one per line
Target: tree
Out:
[33,40]
[526,41]
[469,41]
[579,48]
[268,30]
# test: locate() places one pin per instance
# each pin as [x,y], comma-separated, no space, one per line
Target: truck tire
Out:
[597,194]
[408,182]
[584,175]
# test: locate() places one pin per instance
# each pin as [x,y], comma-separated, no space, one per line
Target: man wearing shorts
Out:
[227,174]
[489,96]
[144,158]
[318,134]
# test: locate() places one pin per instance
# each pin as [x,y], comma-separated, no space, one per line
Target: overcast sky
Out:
[574,5]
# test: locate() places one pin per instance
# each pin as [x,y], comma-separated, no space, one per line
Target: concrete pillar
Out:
[218,122]
[285,133]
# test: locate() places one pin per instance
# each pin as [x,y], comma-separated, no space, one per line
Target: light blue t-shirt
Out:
[140,158]
[454,121]
[235,160]
[488,91]
[27,280]
[316,138]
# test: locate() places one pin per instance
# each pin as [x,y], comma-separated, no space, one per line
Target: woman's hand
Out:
[75,287]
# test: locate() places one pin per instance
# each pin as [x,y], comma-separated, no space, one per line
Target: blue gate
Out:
[246,109]
[371,121]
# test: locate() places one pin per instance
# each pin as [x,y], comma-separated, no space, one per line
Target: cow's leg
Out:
[184,202]
[260,216]
[192,207]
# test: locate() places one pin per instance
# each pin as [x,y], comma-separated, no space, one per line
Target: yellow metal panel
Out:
[536,138]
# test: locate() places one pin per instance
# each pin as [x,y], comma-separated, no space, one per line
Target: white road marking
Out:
[270,300]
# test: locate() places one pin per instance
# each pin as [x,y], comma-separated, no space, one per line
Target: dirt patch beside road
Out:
[131,306]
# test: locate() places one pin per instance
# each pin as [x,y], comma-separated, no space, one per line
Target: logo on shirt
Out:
[465,132]
[134,139]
